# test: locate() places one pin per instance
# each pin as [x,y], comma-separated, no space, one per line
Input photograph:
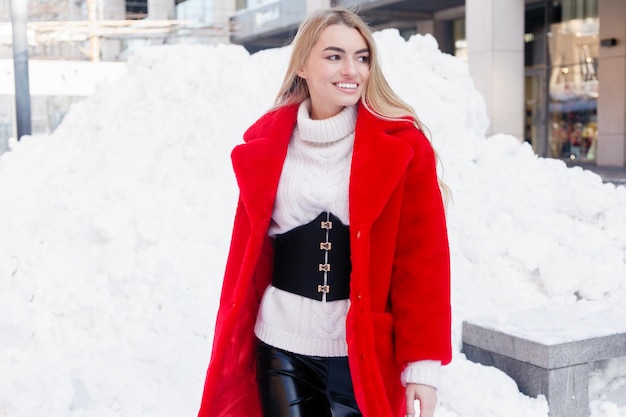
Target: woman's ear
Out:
[301,73]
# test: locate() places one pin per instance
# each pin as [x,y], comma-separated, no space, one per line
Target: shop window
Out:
[534,35]
[573,81]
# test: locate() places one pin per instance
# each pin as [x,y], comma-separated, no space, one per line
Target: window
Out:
[136,9]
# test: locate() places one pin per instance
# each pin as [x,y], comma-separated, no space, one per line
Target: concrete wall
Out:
[495,37]
[161,9]
[612,85]
[113,9]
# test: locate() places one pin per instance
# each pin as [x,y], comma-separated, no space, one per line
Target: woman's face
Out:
[336,70]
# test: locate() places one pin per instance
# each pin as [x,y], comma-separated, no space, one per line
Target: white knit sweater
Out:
[315,178]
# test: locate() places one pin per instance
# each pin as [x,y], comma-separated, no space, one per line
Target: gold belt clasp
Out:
[323,288]
[324,267]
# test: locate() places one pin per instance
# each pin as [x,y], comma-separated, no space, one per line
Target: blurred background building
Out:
[553,72]
[74,45]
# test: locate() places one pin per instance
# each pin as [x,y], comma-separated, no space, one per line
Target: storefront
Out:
[572,102]
[561,78]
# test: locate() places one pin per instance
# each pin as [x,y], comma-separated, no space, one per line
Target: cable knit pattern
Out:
[314,179]
[316,171]
[422,372]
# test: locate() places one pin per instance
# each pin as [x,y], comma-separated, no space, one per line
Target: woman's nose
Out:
[349,68]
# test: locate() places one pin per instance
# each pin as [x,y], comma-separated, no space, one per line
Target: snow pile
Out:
[116,227]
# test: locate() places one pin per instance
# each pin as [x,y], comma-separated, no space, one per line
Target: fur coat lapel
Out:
[379,162]
[258,163]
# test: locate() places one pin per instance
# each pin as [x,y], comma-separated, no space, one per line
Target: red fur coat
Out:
[400,281]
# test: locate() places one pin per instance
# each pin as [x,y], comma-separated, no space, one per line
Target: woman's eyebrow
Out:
[337,49]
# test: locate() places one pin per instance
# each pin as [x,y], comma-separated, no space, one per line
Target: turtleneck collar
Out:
[326,130]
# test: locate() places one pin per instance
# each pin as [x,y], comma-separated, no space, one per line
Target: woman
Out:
[336,295]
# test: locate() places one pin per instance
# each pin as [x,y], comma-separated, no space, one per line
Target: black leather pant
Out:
[292,385]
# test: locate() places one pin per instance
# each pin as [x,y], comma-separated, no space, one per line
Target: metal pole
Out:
[94,39]
[20,65]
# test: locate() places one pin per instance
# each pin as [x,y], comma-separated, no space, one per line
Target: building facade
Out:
[552,72]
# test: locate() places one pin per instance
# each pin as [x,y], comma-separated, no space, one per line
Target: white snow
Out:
[115,231]
[560,323]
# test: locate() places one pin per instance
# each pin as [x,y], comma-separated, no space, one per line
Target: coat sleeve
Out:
[420,287]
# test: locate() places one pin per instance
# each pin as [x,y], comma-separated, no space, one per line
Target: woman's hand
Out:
[427,397]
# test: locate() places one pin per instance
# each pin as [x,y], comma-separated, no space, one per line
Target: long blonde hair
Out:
[377,96]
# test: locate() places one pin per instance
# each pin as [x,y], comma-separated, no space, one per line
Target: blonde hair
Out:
[377,96]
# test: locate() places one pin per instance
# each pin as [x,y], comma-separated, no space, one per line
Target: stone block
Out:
[550,359]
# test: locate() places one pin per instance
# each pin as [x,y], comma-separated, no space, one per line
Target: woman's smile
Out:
[347,86]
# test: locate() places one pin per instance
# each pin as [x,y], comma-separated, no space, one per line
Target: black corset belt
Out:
[314,259]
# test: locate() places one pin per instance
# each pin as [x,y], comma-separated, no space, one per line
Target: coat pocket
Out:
[385,352]
[383,341]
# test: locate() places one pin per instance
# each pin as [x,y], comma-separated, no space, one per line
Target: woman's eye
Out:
[333,57]
[363,59]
